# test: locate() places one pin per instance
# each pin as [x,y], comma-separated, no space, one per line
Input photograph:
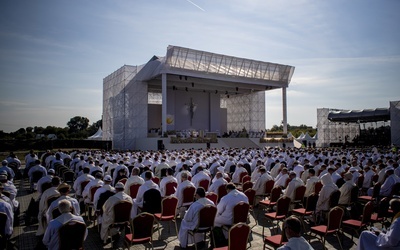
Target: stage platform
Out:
[153,142]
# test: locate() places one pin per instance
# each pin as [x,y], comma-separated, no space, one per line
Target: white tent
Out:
[97,136]
[307,137]
[289,135]
[301,136]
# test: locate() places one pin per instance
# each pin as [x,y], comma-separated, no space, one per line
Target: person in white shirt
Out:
[184,169]
[179,193]
[163,165]
[292,227]
[217,182]
[201,175]
[191,218]
[335,176]
[6,208]
[304,176]
[44,179]
[165,180]
[293,184]
[345,189]
[64,190]
[368,174]
[256,173]
[108,209]
[310,184]
[84,177]
[390,181]
[134,179]
[97,181]
[324,195]
[148,184]
[225,206]
[280,180]
[238,171]
[377,239]
[106,187]
[297,168]
[51,237]
[259,185]
[275,170]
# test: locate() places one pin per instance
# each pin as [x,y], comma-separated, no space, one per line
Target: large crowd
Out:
[70,184]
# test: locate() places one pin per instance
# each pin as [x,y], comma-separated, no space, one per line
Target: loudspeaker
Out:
[160,145]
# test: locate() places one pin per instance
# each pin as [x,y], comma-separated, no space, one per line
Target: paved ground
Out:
[24,236]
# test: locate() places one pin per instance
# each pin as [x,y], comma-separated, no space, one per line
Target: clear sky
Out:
[55,54]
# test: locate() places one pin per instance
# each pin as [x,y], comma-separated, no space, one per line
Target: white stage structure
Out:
[335,125]
[189,90]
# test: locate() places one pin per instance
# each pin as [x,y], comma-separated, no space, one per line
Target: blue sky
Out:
[55,54]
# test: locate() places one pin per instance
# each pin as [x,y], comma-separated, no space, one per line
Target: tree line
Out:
[295,130]
[77,128]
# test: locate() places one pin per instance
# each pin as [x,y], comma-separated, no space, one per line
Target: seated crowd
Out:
[109,187]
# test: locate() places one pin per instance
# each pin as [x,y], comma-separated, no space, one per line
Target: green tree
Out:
[94,127]
[78,124]
[38,130]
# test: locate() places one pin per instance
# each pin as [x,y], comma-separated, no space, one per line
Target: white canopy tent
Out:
[97,136]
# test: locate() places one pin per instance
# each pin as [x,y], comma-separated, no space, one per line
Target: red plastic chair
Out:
[156,180]
[247,185]
[277,240]
[188,196]
[317,187]
[141,230]
[282,209]
[238,237]
[311,204]
[133,189]
[123,180]
[251,195]
[275,195]
[213,197]
[72,235]
[90,205]
[122,215]
[299,195]
[242,174]
[204,184]
[382,213]
[170,188]
[357,225]
[269,185]
[334,220]
[375,194]
[246,178]
[168,213]
[205,223]
[221,192]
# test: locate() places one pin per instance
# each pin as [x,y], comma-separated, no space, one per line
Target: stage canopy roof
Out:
[360,116]
[196,70]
